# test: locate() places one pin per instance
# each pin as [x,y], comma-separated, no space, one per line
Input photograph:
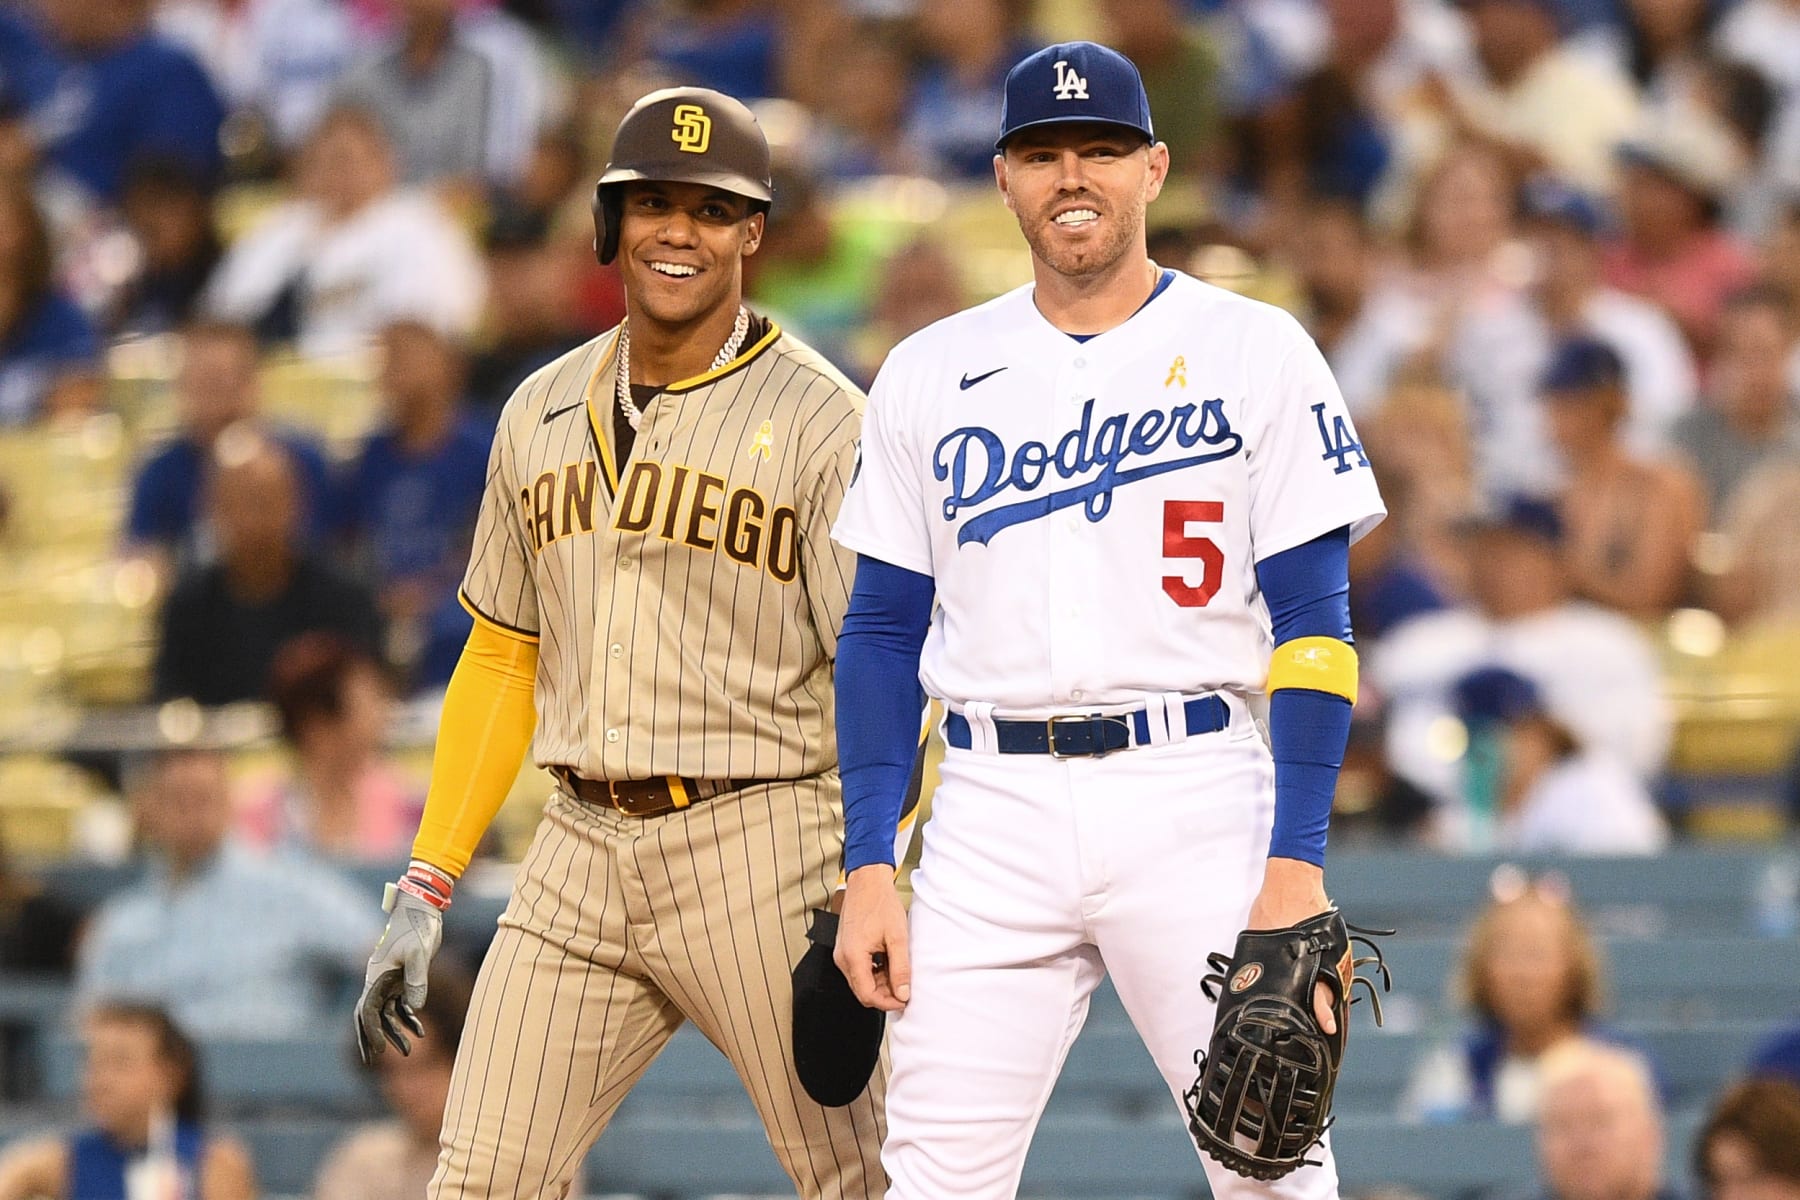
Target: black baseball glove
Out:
[1263,1096]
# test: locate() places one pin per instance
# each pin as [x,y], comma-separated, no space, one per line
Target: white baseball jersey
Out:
[1093,511]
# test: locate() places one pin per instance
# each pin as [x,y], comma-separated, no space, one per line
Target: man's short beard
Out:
[1087,262]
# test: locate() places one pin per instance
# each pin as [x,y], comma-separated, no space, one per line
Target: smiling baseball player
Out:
[655,590]
[1131,496]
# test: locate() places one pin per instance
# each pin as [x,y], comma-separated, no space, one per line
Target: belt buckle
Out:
[1050,724]
[622,801]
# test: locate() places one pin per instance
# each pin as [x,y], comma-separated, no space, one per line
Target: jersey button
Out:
[625,564]
[612,735]
[1080,363]
[616,650]
[1077,694]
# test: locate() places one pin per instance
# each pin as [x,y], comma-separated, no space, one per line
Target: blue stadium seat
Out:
[1687,889]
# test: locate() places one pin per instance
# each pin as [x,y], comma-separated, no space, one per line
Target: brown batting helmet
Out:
[683,135]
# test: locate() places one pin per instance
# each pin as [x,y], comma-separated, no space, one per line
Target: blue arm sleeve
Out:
[878,702]
[1308,592]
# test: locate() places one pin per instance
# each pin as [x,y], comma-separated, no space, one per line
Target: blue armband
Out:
[878,702]
[1308,592]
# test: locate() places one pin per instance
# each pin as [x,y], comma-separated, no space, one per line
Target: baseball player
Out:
[655,590]
[1116,483]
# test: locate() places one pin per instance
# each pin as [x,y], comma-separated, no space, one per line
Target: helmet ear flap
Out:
[607,215]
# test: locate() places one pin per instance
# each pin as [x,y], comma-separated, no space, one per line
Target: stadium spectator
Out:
[1463,308]
[1757,577]
[968,47]
[1752,418]
[1179,61]
[343,799]
[1565,227]
[348,253]
[223,622]
[1596,670]
[145,1131]
[277,60]
[1749,1148]
[732,46]
[555,171]
[1766,35]
[1631,519]
[863,79]
[407,506]
[532,305]
[1779,1056]
[233,945]
[37,928]
[169,214]
[1532,980]
[49,351]
[1600,1129]
[919,283]
[1532,788]
[814,270]
[215,389]
[1420,435]
[120,93]
[1367,333]
[1335,133]
[1780,261]
[1661,47]
[394,1159]
[1679,166]
[445,103]
[1390,581]
[1545,104]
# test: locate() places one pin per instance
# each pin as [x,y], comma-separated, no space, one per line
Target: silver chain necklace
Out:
[633,414]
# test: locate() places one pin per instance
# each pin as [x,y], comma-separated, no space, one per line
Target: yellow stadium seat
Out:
[1736,697]
[139,375]
[40,801]
[65,485]
[332,398]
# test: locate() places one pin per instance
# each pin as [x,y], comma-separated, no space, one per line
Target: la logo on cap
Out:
[1069,85]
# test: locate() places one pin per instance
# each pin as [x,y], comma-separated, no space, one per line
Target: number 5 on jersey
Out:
[1178,543]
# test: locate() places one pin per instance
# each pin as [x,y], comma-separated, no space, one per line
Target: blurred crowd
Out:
[1551,249]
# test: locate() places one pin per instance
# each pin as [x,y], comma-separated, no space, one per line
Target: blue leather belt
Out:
[1086,735]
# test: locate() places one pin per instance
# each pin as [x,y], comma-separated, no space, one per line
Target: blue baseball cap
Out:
[1580,363]
[1526,515]
[1494,695]
[1547,198]
[1074,81]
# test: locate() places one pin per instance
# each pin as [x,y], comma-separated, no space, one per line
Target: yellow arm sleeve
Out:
[1317,664]
[485,730]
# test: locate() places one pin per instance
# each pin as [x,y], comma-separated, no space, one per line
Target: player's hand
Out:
[394,984]
[1294,891]
[872,949]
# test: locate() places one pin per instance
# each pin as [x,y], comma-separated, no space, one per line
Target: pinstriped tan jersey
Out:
[687,601]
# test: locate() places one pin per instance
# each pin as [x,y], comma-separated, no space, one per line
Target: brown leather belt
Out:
[645,797]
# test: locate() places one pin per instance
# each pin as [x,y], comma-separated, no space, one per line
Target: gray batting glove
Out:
[394,984]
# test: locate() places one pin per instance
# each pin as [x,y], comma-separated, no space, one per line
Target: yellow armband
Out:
[483,734]
[1317,664]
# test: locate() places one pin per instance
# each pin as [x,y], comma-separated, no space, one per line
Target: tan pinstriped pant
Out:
[619,928]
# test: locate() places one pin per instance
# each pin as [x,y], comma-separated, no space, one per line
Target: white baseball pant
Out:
[1038,876]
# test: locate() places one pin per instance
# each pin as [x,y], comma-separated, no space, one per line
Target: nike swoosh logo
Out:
[551,416]
[968,383]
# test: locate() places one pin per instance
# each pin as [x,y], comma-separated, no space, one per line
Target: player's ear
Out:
[1000,181]
[1159,168]
[753,232]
